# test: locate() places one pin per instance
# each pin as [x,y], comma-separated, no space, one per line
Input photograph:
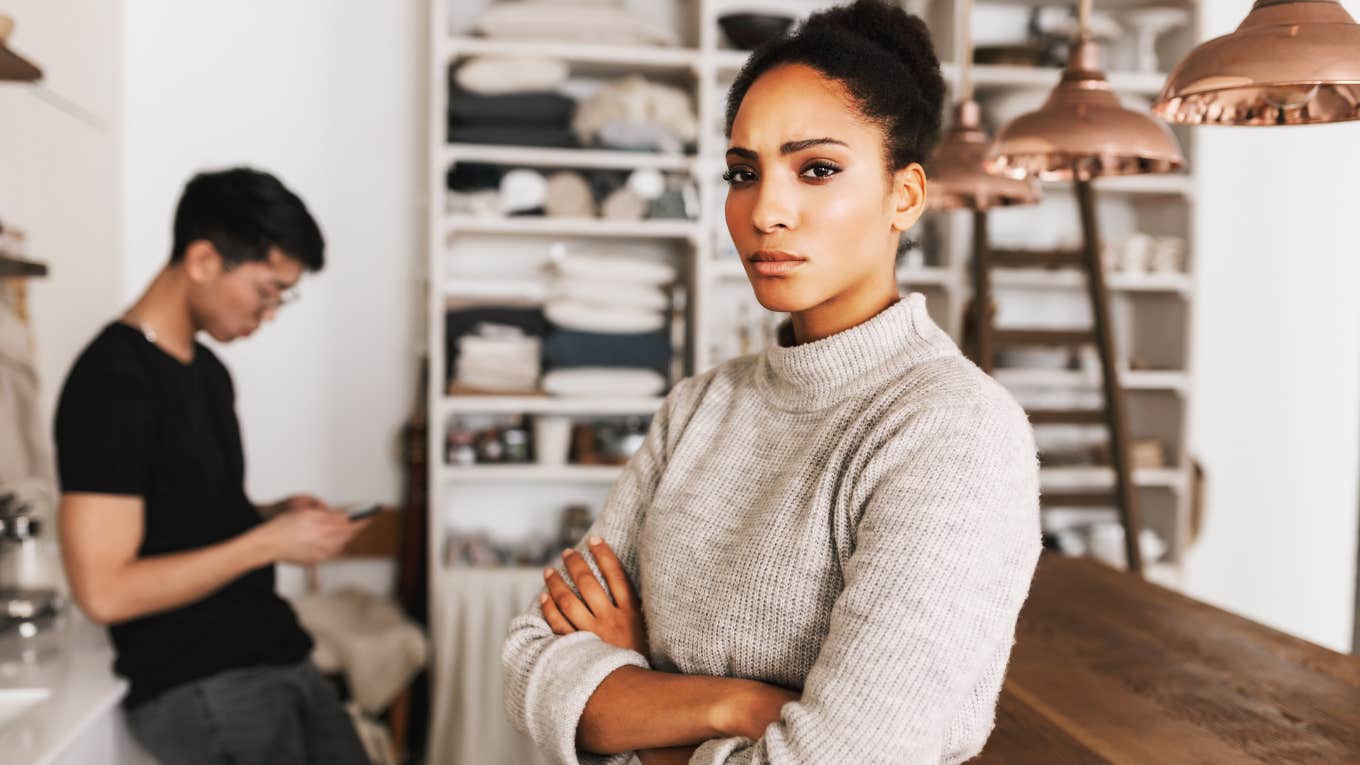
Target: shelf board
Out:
[987,76]
[1056,478]
[731,269]
[549,405]
[1118,281]
[582,227]
[18,267]
[16,68]
[532,156]
[1069,378]
[625,57]
[1163,184]
[532,473]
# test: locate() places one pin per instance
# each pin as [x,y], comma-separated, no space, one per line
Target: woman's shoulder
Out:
[954,388]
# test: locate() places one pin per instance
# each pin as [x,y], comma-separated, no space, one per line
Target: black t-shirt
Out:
[135,421]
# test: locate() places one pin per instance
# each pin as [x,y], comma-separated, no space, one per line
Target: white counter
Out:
[79,720]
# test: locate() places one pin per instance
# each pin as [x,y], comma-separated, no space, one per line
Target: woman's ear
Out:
[908,196]
[202,262]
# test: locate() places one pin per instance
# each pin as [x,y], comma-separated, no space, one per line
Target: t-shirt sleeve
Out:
[103,432]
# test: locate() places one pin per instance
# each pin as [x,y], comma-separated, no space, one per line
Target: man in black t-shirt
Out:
[159,539]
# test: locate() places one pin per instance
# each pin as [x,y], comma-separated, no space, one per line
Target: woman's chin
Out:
[782,295]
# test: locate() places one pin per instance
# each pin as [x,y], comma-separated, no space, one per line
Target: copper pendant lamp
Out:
[1082,131]
[955,170]
[1291,62]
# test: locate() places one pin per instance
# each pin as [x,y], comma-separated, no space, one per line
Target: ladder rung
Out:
[1067,417]
[1077,498]
[1059,337]
[1034,258]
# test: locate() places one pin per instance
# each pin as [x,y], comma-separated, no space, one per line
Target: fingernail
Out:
[543,598]
[547,573]
[595,540]
[567,552]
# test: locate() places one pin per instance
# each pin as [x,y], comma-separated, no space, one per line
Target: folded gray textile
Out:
[513,135]
[567,348]
[543,108]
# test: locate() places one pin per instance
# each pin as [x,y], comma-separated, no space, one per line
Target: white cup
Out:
[552,439]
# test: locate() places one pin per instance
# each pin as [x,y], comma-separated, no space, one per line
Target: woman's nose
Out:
[774,207]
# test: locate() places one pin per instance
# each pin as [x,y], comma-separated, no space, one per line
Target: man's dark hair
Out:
[884,58]
[244,213]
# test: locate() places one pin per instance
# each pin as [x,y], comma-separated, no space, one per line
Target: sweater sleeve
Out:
[549,678]
[943,554]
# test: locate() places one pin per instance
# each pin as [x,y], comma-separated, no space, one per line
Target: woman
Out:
[830,540]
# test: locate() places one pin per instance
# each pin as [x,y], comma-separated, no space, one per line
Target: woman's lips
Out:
[775,267]
[775,262]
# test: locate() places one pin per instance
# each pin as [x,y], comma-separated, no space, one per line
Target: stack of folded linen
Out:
[511,100]
[498,358]
[603,22]
[609,331]
[638,115]
[493,340]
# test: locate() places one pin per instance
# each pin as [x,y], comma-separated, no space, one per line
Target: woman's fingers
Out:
[614,575]
[553,616]
[592,592]
[567,601]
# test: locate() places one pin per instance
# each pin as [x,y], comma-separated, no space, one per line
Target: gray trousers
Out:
[274,715]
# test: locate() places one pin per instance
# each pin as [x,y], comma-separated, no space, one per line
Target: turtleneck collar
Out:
[815,375]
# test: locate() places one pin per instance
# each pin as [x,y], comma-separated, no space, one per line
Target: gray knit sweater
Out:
[856,518]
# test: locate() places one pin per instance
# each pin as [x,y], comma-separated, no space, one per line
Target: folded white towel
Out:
[619,268]
[592,317]
[566,22]
[610,293]
[603,381]
[498,75]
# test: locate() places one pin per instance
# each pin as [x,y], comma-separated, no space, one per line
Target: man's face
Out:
[230,303]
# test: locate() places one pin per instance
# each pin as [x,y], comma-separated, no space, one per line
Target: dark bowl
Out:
[749,31]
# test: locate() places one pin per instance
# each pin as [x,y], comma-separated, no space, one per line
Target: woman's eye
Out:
[821,171]
[737,175]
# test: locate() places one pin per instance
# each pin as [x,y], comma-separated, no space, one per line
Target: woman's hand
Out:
[617,621]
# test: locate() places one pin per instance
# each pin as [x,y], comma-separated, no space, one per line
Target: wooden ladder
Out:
[987,339]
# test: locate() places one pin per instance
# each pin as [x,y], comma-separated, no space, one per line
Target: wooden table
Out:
[1108,668]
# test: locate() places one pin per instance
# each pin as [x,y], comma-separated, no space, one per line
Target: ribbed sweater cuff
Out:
[569,672]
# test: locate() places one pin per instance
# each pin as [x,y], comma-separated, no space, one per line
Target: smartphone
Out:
[360,512]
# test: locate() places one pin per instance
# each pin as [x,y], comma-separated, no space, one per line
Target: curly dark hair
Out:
[882,55]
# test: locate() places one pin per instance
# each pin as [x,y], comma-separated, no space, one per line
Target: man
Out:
[159,540]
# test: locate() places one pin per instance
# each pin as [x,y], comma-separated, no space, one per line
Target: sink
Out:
[16,701]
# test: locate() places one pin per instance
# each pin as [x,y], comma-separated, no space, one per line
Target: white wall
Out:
[329,97]
[59,174]
[1276,415]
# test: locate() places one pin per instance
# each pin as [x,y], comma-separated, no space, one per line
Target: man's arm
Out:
[101,534]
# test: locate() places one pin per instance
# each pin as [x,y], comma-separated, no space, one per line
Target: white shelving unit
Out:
[714,285]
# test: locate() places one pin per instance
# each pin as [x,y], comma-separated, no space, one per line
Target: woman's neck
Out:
[844,310]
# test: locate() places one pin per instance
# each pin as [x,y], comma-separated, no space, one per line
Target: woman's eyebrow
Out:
[789,148]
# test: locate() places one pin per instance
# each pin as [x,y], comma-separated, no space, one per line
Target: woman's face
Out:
[812,212]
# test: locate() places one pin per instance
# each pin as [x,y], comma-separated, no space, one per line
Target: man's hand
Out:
[295,502]
[617,621]
[308,534]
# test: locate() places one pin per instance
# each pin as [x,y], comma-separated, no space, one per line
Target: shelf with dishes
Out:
[1119,281]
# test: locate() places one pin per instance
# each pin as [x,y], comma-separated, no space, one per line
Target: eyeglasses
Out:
[273,300]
